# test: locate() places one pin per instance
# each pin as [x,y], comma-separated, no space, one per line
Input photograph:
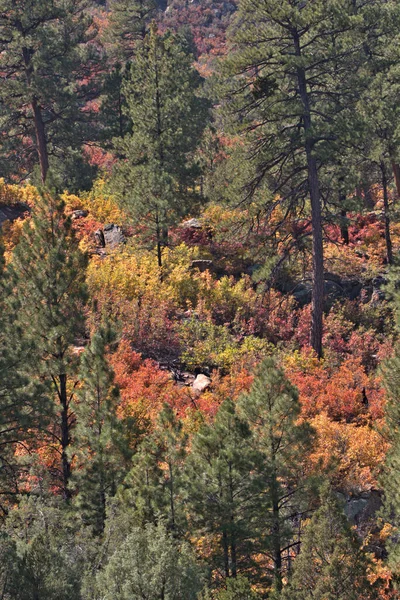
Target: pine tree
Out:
[150,564]
[153,488]
[128,22]
[294,89]
[223,488]
[21,402]
[378,105]
[154,177]
[331,563]
[47,272]
[272,410]
[45,65]
[97,441]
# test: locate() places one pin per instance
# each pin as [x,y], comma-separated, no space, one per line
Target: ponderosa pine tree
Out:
[97,441]
[331,563]
[21,402]
[223,487]
[46,65]
[378,105]
[152,489]
[155,175]
[128,22]
[390,478]
[294,85]
[47,273]
[272,410]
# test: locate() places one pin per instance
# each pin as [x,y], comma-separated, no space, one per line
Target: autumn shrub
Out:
[205,345]
[343,390]
[350,454]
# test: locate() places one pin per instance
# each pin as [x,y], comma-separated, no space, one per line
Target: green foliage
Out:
[237,588]
[213,346]
[154,177]
[272,410]
[46,62]
[48,268]
[128,24]
[150,564]
[222,489]
[153,488]
[97,448]
[331,563]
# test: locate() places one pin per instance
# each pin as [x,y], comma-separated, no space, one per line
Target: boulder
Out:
[113,235]
[99,237]
[192,224]
[79,214]
[201,383]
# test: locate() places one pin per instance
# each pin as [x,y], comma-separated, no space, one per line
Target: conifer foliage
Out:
[155,176]
[47,272]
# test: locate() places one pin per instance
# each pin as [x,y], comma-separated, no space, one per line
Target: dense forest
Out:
[200,299]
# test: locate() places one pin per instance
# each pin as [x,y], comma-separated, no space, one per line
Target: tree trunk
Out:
[344,227]
[65,439]
[389,250]
[225,548]
[396,173]
[40,140]
[316,213]
[276,535]
[40,132]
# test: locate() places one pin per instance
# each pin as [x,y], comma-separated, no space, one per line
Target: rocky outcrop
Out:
[10,212]
[109,237]
[79,214]
[370,290]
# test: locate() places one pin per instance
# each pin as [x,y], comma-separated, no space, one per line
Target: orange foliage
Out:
[343,392]
[351,454]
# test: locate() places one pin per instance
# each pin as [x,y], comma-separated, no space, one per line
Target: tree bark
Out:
[388,240]
[316,213]
[40,140]
[344,228]
[396,173]
[65,439]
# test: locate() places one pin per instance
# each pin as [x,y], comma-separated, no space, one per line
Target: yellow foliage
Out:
[358,450]
[123,275]
[12,193]
[100,205]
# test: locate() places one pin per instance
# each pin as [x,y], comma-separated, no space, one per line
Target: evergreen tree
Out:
[48,560]
[128,23]
[96,447]
[390,478]
[155,175]
[223,488]
[378,105]
[47,272]
[153,488]
[331,563]
[272,410]
[293,93]
[45,65]
[150,564]
[22,403]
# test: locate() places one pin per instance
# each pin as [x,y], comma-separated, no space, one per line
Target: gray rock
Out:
[201,383]
[99,237]
[79,214]
[10,212]
[113,236]
[192,224]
